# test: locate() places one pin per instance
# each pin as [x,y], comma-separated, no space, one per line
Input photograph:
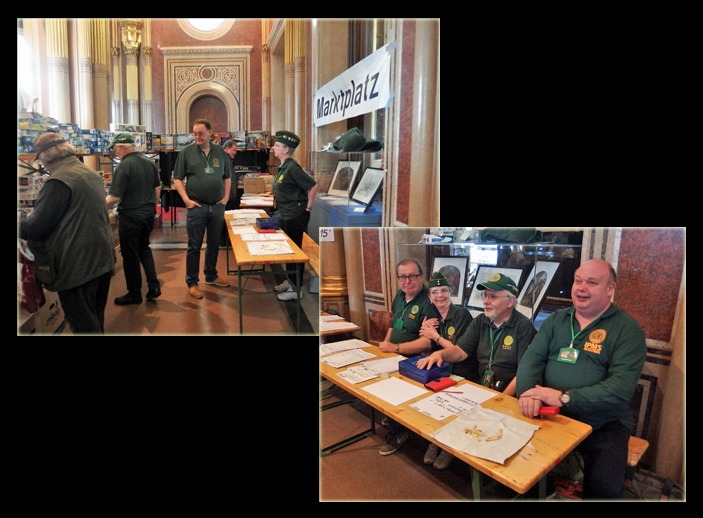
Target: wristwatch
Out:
[565,398]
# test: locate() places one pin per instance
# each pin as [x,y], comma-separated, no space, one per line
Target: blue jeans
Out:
[201,220]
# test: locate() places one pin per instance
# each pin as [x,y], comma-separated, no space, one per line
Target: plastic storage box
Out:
[409,369]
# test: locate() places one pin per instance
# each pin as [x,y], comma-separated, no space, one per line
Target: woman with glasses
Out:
[444,331]
[497,339]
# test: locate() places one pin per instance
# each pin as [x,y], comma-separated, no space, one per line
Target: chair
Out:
[379,323]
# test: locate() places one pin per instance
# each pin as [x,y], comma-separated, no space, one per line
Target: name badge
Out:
[398,323]
[568,355]
[209,170]
[487,380]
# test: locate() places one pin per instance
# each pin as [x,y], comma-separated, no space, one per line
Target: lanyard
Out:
[573,336]
[207,158]
[493,343]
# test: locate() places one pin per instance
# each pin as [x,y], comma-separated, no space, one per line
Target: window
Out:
[206,28]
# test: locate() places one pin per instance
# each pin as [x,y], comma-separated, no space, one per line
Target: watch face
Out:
[565,398]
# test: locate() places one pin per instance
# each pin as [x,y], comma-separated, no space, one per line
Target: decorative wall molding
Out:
[222,49]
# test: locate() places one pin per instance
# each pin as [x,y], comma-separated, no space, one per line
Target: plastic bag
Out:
[32,292]
[647,485]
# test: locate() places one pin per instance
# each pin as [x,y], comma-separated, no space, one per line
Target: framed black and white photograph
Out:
[483,274]
[454,269]
[344,177]
[537,284]
[368,186]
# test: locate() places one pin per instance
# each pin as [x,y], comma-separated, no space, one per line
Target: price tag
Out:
[326,234]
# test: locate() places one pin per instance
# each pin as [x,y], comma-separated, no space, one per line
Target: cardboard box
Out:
[50,317]
[258,184]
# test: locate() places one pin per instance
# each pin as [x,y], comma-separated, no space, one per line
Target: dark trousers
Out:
[136,253]
[84,305]
[294,229]
[201,220]
[604,455]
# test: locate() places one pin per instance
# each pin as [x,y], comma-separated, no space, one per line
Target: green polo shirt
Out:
[452,328]
[204,176]
[411,315]
[290,187]
[612,351]
[502,347]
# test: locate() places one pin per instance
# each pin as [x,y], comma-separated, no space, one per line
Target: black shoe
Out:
[153,294]
[127,299]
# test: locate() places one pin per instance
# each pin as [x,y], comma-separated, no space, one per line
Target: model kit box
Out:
[258,184]
[409,368]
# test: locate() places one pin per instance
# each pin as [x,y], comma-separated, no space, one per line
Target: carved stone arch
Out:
[195,92]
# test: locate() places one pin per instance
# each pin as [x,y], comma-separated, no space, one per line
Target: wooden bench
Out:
[636,447]
[312,250]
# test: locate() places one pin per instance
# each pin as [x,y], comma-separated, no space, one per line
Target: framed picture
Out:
[483,273]
[344,177]
[368,186]
[537,284]
[454,269]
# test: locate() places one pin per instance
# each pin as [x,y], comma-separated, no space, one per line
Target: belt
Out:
[201,201]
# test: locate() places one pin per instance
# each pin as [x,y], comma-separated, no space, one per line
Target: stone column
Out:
[131,31]
[424,169]
[299,99]
[86,118]
[101,60]
[59,92]
[265,87]
[115,52]
[147,118]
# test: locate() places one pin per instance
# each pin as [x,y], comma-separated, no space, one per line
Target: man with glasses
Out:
[496,339]
[203,178]
[410,307]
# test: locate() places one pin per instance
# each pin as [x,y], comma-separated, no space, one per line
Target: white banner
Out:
[363,88]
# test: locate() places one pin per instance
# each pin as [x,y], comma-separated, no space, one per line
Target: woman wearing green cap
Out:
[294,192]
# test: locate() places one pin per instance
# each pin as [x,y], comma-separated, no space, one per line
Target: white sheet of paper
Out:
[255,236]
[327,318]
[358,374]
[243,230]
[515,434]
[347,358]
[337,325]
[269,247]
[443,404]
[394,390]
[384,365]
[342,345]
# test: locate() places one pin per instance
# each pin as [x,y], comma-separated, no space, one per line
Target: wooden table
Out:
[553,441]
[244,259]
[337,331]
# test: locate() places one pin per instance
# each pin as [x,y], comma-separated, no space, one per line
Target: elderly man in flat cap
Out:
[294,192]
[69,234]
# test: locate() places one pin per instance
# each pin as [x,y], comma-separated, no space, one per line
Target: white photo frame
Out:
[530,299]
[483,273]
[344,177]
[368,186]
[454,269]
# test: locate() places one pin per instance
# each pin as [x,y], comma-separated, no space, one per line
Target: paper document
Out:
[346,358]
[358,374]
[337,325]
[327,318]
[487,434]
[443,404]
[384,365]
[255,236]
[394,390]
[244,230]
[269,247]
[343,345]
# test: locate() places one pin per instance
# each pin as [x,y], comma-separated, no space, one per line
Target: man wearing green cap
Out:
[294,191]
[496,339]
[136,187]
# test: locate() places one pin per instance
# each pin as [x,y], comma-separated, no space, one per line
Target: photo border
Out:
[368,186]
[483,273]
[461,262]
[355,165]
[551,269]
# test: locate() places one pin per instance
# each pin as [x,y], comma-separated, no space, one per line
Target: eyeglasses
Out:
[444,291]
[403,278]
[493,296]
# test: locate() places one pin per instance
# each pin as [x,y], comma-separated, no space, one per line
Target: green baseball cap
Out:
[121,138]
[353,140]
[499,282]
